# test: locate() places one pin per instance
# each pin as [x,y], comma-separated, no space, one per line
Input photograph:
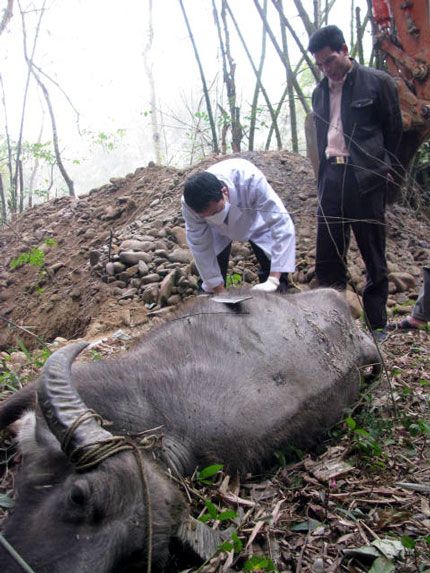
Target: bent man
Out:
[232,200]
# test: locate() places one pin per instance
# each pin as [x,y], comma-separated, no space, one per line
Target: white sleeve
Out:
[278,220]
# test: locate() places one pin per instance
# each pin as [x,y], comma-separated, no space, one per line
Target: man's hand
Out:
[270,285]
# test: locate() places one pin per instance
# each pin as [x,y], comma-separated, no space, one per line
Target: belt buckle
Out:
[340,160]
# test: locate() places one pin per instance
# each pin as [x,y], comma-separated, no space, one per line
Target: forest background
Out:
[93,90]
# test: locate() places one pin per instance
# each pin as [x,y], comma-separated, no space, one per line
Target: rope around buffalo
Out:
[90,455]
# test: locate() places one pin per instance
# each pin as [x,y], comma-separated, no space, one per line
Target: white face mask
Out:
[219,218]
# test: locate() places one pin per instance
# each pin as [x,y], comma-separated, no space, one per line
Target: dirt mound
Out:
[74,293]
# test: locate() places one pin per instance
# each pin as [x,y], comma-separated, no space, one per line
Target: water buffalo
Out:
[217,384]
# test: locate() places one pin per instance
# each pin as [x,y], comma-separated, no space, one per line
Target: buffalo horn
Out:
[61,404]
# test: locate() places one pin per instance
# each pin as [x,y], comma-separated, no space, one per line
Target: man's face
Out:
[215,206]
[333,64]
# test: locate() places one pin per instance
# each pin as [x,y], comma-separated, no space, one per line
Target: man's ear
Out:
[344,49]
[224,191]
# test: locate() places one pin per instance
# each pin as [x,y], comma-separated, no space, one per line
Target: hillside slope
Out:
[81,295]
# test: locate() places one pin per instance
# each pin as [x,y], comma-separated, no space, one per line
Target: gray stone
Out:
[166,286]
[118,266]
[94,257]
[174,299]
[143,268]
[128,293]
[181,256]
[150,294]
[403,281]
[179,234]
[151,278]
[133,257]
[128,273]
[135,245]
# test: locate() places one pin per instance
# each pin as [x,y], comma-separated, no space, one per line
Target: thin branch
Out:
[57,85]
[45,92]
[309,26]
[303,50]
[7,15]
[203,79]
[297,87]
[257,87]
[21,129]
[263,91]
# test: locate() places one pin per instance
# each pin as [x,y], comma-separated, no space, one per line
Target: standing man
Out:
[358,124]
[232,200]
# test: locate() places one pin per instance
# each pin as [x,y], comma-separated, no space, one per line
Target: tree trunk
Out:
[263,91]
[317,13]
[278,6]
[297,87]
[3,201]
[21,187]
[254,105]
[376,52]
[36,167]
[290,90]
[29,60]
[203,79]
[58,158]
[7,15]
[309,27]
[358,47]
[153,99]
[9,148]
[229,69]
[359,33]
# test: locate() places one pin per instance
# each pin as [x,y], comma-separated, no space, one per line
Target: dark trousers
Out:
[263,261]
[340,208]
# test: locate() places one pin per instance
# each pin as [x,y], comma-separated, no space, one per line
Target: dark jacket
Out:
[372,124]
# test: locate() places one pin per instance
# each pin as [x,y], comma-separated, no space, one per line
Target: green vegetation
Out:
[35,257]
[233,280]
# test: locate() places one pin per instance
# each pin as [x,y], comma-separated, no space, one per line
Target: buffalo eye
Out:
[79,493]
[83,503]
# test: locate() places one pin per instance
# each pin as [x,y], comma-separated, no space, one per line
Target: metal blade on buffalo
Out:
[230,298]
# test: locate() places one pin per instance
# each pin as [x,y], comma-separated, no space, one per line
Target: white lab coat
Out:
[256,214]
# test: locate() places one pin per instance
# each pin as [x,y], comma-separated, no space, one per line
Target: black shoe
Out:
[380,335]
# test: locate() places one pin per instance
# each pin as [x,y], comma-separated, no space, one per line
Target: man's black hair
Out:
[200,189]
[329,36]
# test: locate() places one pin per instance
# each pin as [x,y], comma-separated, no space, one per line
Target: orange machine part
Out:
[404,37]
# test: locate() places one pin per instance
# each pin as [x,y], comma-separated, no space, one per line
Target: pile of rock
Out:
[151,262]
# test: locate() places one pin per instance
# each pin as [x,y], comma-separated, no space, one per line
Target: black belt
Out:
[338,160]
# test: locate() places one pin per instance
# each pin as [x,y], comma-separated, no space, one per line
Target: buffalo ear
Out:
[34,439]
[201,538]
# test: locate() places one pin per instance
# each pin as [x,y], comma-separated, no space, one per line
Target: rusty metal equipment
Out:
[403,35]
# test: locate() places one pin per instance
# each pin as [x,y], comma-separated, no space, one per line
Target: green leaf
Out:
[257,563]
[408,542]
[212,510]
[310,525]
[226,546]
[238,545]
[5,501]
[24,349]
[228,514]
[204,518]
[209,471]
[351,423]
[382,565]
